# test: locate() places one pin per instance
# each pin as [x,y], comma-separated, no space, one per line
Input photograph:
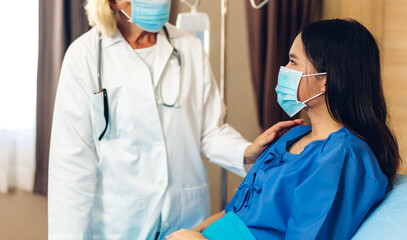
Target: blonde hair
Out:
[100,14]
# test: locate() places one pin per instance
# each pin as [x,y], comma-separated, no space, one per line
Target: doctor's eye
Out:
[292,62]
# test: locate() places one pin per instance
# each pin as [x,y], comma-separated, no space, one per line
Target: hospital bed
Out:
[388,220]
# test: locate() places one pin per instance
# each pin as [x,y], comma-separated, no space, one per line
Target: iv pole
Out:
[223,68]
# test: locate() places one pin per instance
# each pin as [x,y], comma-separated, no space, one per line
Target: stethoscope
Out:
[175,104]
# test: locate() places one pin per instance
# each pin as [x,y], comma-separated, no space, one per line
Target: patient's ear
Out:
[323,85]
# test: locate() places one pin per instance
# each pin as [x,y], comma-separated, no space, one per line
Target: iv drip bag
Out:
[195,23]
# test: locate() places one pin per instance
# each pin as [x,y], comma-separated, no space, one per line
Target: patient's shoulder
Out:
[347,141]
[355,153]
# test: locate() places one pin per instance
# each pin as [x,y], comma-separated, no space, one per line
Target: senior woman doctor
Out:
[128,131]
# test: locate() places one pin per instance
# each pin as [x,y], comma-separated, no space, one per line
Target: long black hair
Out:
[349,54]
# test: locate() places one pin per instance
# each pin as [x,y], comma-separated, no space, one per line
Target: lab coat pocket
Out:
[195,205]
[119,114]
[97,114]
[118,217]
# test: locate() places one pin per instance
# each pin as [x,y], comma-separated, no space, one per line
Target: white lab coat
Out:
[147,170]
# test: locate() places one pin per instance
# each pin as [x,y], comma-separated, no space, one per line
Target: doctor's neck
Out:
[134,35]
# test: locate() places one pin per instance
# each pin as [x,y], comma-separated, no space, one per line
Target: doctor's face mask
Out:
[287,90]
[150,15]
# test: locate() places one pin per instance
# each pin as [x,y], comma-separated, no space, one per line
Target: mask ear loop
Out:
[125,14]
[319,94]
[309,99]
[314,74]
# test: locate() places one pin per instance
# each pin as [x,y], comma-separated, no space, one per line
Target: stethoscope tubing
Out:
[175,104]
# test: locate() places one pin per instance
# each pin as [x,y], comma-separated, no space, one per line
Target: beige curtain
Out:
[272,30]
[61,22]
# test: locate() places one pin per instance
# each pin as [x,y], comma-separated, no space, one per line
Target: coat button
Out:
[163,184]
[159,144]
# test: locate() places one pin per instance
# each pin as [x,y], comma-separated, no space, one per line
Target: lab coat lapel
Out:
[163,54]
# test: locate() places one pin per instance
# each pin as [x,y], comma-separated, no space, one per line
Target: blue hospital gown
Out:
[322,193]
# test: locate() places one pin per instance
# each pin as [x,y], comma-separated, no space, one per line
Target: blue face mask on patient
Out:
[287,89]
[150,15]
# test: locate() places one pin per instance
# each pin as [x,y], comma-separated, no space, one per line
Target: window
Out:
[18,83]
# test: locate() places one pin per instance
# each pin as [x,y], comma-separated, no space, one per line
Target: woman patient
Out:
[320,181]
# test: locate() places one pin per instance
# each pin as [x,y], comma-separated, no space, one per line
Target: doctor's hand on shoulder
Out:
[253,151]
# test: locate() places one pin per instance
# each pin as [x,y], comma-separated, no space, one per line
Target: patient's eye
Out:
[292,62]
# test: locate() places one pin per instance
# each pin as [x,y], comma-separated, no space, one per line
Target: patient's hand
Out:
[253,151]
[185,234]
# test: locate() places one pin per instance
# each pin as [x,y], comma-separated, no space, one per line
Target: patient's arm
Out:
[200,227]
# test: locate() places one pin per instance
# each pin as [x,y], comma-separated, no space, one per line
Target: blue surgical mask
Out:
[287,89]
[150,15]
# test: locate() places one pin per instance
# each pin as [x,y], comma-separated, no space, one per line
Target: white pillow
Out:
[389,219]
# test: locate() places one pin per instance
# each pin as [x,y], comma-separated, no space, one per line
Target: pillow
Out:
[389,219]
